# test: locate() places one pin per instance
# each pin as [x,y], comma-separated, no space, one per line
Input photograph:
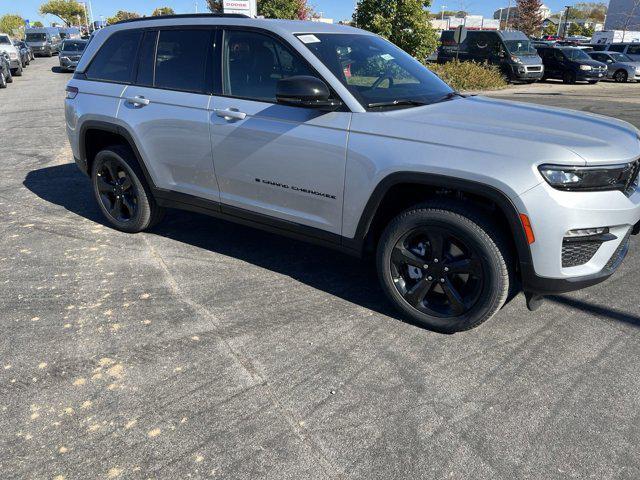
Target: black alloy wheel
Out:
[437,272]
[620,76]
[117,192]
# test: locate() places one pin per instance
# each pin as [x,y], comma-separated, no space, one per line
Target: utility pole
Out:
[508,14]
[566,21]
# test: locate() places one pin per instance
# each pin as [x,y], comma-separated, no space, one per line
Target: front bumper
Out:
[591,75]
[553,213]
[527,72]
[44,50]
[15,63]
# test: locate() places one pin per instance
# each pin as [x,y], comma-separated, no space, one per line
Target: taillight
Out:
[71,92]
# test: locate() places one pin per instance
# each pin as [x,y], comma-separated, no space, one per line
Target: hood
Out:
[515,130]
[529,59]
[8,48]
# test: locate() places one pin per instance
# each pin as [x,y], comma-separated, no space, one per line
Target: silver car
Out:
[70,53]
[620,67]
[334,135]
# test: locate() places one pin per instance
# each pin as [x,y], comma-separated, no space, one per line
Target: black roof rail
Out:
[185,15]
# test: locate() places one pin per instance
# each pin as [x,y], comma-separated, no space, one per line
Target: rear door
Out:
[166,109]
[633,51]
[275,160]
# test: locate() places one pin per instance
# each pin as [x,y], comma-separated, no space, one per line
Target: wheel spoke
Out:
[103,185]
[129,205]
[112,170]
[116,208]
[456,301]
[416,294]
[126,183]
[465,265]
[402,256]
[437,243]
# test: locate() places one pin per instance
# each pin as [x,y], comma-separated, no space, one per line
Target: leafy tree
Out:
[403,22]
[37,24]
[215,6]
[290,9]
[529,18]
[550,29]
[163,11]
[66,10]
[122,15]
[11,24]
[575,29]
[591,11]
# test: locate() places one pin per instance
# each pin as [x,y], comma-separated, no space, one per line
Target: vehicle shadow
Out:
[59,70]
[338,274]
[594,309]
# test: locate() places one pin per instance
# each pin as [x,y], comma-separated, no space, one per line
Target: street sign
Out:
[27,24]
[245,7]
[460,34]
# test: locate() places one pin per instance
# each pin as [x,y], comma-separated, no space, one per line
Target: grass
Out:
[469,76]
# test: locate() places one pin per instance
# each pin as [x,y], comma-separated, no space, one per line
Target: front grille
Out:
[617,257]
[537,68]
[578,253]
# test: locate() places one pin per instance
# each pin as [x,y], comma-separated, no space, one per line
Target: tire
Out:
[49,53]
[3,80]
[592,82]
[18,72]
[435,294]
[621,76]
[9,76]
[121,191]
[568,78]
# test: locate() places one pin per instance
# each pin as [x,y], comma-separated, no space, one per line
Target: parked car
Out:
[5,70]
[71,33]
[25,57]
[631,50]
[6,45]
[43,41]
[23,45]
[619,67]
[334,135]
[511,51]
[571,65]
[70,53]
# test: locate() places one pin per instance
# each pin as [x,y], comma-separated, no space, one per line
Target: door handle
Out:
[138,101]
[231,114]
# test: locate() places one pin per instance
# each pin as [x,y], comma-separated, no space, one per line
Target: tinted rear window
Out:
[147,59]
[617,48]
[181,59]
[115,60]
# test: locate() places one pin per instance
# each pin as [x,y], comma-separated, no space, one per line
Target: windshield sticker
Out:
[387,57]
[309,39]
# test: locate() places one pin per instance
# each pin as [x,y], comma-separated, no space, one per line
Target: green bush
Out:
[469,75]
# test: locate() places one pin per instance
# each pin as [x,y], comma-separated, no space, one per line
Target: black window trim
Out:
[294,52]
[132,77]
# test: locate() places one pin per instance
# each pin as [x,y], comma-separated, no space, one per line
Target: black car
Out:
[571,65]
[5,70]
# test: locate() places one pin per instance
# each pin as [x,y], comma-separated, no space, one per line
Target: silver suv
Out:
[334,135]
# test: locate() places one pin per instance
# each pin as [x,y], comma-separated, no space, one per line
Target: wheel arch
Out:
[401,190]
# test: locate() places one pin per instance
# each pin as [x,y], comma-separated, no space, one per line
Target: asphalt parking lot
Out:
[205,349]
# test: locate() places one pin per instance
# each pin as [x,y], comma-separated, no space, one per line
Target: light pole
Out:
[444,7]
[566,21]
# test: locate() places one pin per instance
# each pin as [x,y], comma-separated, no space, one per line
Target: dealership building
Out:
[623,15]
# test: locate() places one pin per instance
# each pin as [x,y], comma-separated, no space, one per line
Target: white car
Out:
[6,45]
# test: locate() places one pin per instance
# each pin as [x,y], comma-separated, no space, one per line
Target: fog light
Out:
[587,232]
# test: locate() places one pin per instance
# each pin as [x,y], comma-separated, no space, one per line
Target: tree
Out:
[575,29]
[11,24]
[215,6]
[66,10]
[163,11]
[550,29]
[591,11]
[529,19]
[122,15]
[403,22]
[37,24]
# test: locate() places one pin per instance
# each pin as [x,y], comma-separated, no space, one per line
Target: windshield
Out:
[36,37]
[520,47]
[376,71]
[620,57]
[5,40]
[576,54]
[69,46]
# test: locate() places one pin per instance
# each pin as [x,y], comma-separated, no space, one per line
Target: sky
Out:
[336,9]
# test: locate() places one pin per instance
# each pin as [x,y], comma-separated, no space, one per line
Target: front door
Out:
[270,159]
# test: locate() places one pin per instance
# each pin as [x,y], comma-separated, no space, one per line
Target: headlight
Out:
[615,177]
[585,67]
[64,59]
[515,59]
[13,55]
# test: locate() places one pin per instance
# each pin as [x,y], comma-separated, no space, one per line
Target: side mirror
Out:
[304,91]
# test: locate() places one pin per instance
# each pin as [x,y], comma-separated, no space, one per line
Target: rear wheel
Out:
[9,76]
[444,266]
[18,71]
[3,80]
[121,191]
[569,78]
[620,76]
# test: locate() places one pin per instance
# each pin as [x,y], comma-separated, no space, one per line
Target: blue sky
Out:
[337,9]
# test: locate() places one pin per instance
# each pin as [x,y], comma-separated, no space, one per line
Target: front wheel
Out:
[3,80]
[444,266]
[621,76]
[121,191]
[18,71]
[568,78]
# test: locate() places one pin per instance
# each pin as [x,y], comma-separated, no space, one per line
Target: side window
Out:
[146,64]
[633,50]
[558,55]
[181,59]
[115,60]
[616,48]
[253,63]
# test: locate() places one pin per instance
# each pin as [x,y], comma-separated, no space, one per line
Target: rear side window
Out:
[633,50]
[115,60]
[617,48]
[146,64]
[181,59]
